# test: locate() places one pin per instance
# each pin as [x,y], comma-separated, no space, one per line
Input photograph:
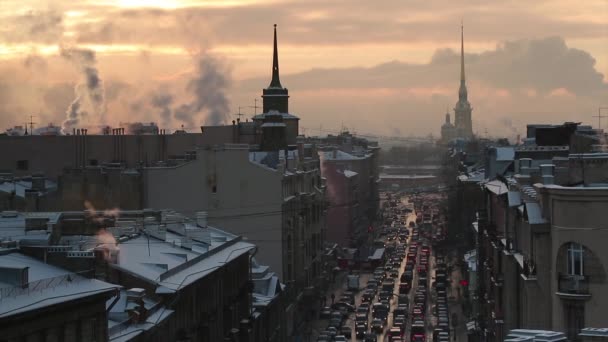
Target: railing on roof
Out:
[39,285]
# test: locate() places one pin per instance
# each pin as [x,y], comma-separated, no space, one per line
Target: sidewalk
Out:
[455,307]
[337,287]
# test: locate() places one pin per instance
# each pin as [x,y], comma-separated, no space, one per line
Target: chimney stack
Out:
[547,172]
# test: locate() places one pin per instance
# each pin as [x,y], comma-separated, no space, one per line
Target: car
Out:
[325,313]
[368,296]
[394,274]
[340,338]
[347,332]
[343,307]
[361,319]
[380,310]
[360,331]
[365,306]
[401,309]
[402,299]
[377,325]
[347,299]
[370,337]
[394,333]
[335,323]
[385,295]
[332,331]
[404,288]
[418,331]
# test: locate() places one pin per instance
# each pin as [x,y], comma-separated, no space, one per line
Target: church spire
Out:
[275,82]
[462,92]
[462,79]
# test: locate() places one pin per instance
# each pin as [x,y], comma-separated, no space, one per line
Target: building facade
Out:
[538,237]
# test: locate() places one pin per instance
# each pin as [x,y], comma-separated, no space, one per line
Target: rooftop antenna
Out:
[239,114]
[255,106]
[31,123]
[599,116]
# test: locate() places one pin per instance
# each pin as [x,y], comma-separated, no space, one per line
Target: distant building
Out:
[350,167]
[448,130]
[463,121]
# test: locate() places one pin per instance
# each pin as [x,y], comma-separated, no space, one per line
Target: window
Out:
[22,165]
[575,259]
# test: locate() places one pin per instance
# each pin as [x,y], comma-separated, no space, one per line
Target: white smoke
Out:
[89,92]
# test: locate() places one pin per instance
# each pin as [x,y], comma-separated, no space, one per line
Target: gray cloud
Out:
[331,23]
[541,64]
[44,26]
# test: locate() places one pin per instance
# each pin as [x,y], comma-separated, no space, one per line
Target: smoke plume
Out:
[208,88]
[508,124]
[90,89]
[207,102]
[162,101]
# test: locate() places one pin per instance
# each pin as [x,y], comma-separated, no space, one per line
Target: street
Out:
[418,243]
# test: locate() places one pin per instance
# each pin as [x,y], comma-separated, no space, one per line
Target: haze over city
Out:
[389,68]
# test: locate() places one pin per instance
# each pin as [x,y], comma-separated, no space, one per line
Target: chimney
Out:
[547,172]
[524,166]
[201,219]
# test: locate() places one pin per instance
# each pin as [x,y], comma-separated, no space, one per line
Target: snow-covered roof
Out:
[49,285]
[272,112]
[349,173]
[531,335]
[387,176]
[120,327]
[13,224]
[266,288]
[505,153]
[174,262]
[534,213]
[20,186]
[475,176]
[496,187]
[340,155]
[514,198]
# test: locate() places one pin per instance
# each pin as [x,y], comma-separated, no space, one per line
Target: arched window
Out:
[575,259]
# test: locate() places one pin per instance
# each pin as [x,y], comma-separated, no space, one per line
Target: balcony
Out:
[573,287]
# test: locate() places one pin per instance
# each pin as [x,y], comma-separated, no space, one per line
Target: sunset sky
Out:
[385,67]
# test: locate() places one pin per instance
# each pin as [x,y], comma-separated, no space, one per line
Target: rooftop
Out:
[16,226]
[47,285]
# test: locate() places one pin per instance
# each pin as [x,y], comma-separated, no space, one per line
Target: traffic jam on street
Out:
[402,293]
